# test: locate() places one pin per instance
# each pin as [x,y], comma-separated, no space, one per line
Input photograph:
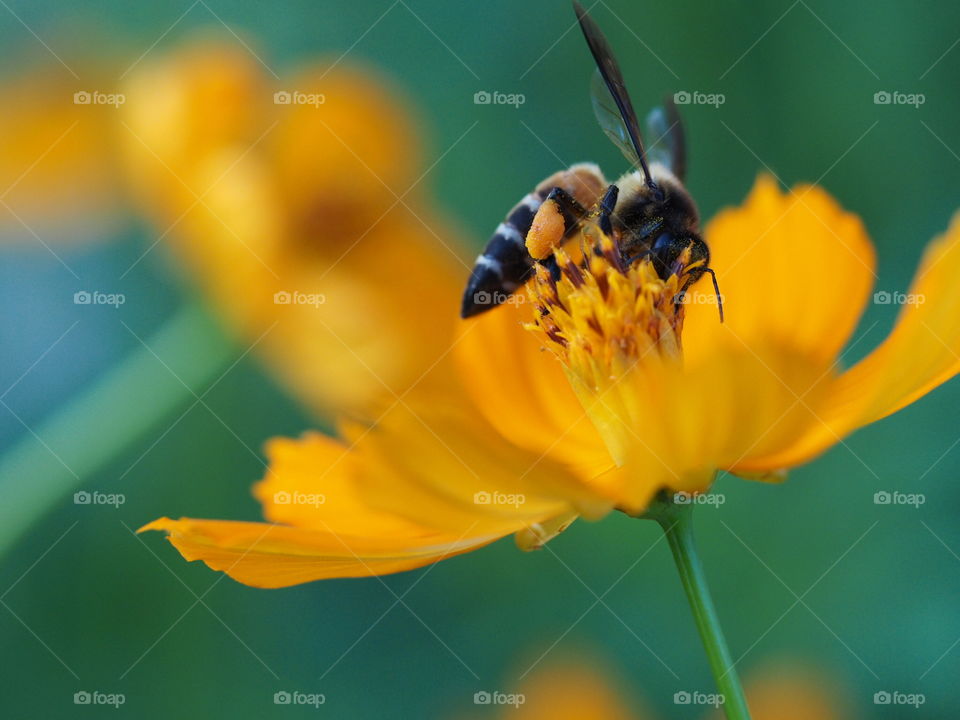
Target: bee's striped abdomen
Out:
[505,265]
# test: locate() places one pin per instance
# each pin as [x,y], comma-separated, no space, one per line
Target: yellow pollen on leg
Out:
[546,231]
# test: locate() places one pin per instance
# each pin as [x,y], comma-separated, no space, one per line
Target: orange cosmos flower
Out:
[604,395]
[299,207]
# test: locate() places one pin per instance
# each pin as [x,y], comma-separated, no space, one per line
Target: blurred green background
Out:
[95,608]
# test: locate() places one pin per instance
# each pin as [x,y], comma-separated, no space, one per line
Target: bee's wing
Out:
[667,140]
[608,115]
[616,93]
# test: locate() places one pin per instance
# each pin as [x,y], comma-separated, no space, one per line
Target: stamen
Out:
[611,251]
[569,268]
[605,315]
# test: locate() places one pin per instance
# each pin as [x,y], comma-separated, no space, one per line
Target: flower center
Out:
[608,321]
[603,316]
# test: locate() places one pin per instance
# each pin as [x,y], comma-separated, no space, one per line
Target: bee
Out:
[648,211]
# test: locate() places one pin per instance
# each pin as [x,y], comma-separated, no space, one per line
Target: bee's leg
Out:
[551,265]
[681,295]
[558,217]
[645,253]
[716,289]
[571,210]
[691,278]
[607,205]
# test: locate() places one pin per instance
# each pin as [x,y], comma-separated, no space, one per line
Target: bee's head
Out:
[674,254]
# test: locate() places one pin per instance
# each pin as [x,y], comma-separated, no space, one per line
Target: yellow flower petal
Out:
[922,352]
[446,467]
[794,269]
[522,390]
[413,490]
[716,414]
[310,484]
[272,556]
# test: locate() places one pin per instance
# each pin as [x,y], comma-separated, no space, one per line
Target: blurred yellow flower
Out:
[59,174]
[529,440]
[579,691]
[298,206]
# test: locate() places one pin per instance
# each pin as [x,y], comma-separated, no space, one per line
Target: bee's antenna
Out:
[610,71]
[716,289]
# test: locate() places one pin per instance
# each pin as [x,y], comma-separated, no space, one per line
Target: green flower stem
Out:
[677,522]
[109,417]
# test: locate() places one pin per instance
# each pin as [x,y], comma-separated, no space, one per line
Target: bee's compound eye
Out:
[663,245]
